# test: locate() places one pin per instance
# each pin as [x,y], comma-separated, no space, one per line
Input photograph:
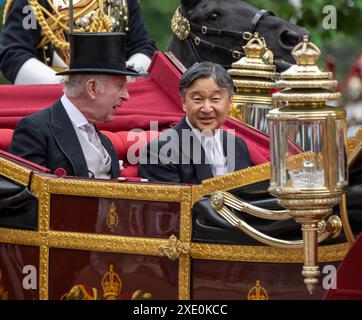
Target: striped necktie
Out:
[93,137]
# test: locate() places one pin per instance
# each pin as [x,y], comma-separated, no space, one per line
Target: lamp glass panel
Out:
[307,171]
[342,176]
[255,115]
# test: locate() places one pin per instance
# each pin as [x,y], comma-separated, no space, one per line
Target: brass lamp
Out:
[310,188]
[253,77]
[312,183]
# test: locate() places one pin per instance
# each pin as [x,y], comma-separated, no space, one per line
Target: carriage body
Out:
[128,239]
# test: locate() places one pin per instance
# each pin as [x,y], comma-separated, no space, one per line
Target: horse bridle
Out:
[183,29]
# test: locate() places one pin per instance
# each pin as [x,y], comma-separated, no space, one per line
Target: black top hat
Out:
[98,53]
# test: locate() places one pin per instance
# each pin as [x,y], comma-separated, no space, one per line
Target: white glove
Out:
[35,72]
[58,61]
[139,62]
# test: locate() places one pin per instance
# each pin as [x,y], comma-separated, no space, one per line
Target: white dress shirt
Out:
[98,161]
[213,148]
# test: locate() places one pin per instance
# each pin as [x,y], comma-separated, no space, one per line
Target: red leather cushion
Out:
[129,171]
[5,138]
[130,142]
[129,145]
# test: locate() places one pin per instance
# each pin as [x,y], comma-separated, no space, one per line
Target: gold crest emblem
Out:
[112,285]
[258,292]
[112,218]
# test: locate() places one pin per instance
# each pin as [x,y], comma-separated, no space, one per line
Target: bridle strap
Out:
[257,18]
[219,32]
[214,47]
[194,40]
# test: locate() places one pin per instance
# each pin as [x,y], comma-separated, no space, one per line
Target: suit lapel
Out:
[203,171]
[67,140]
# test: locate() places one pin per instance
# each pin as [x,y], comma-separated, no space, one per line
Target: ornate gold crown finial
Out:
[256,47]
[111,284]
[311,86]
[306,52]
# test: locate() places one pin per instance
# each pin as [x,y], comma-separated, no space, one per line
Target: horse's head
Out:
[235,15]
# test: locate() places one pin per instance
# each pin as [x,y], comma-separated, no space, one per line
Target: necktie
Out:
[94,138]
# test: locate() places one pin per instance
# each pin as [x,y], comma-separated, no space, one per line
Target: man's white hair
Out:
[74,84]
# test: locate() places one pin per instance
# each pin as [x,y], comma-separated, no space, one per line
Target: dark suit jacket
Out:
[187,169]
[17,45]
[49,139]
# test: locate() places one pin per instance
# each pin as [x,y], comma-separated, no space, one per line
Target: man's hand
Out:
[35,72]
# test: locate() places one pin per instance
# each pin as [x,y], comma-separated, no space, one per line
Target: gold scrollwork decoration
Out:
[174,248]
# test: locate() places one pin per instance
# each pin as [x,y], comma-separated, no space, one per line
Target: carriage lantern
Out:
[253,77]
[310,188]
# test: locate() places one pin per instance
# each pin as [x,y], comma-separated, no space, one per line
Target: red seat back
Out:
[129,145]
[5,138]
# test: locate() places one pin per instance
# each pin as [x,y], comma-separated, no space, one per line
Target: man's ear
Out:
[183,102]
[91,87]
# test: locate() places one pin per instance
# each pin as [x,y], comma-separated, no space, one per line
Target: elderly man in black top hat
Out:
[64,136]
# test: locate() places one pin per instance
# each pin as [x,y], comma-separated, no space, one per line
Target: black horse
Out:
[217,30]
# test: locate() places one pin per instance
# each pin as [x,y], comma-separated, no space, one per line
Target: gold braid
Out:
[53,27]
[54,24]
[63,45]
[7,8]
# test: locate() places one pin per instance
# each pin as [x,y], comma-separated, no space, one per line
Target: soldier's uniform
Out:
[20,41]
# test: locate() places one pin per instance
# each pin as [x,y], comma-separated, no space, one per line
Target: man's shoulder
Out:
[40,115]
[239,141]
[40,118]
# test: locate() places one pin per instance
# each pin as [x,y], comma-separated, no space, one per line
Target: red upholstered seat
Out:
[5,138]
[129,145]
